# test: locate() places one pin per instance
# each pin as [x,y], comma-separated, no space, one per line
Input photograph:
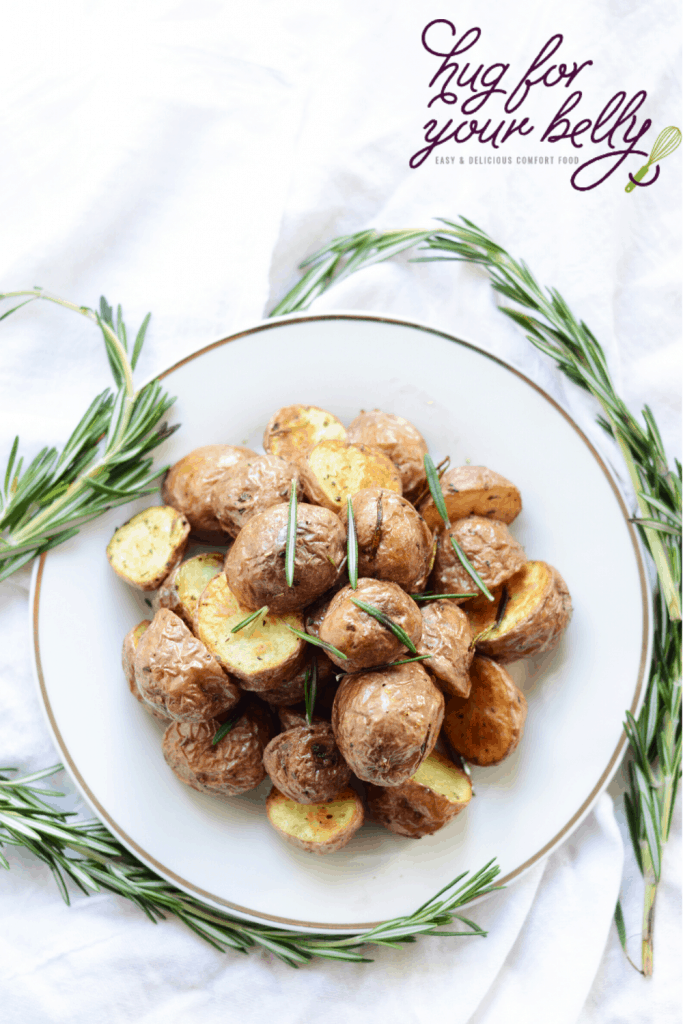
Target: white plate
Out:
[473,407]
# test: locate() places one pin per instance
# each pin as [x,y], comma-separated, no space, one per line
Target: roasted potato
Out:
[363,640]
[316,828]
[263,654]
[394,542]
[435,794]
[255,567]
[335,469]
[251,486]
[295,429]
[485,727]
[386,723]
[294,715]
[291,691]
[176,673]
[232,766]
[188,486]
[149,546]
[473,491]
[490,548]
[182,589]
[130,645]
[399,440]
[306,764]
[537,609]
[447,638]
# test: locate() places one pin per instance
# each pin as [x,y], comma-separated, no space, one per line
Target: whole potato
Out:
[255,566]
[176,673]
[394,542]
[130,646]
[447,638]
[251,486]
[305,763]
[188,487]
[399,440]
[361,638]
[488,545]
[232,766]
[387,722]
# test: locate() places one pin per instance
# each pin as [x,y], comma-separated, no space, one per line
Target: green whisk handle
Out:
[639,177]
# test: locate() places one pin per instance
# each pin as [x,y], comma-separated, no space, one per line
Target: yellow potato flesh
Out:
[341,470]
[444,780]
[142,548]
[302,427]
[312,823]
[524,590]
[254,649]
[194,575]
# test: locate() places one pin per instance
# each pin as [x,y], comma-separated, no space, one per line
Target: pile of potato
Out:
[232,698]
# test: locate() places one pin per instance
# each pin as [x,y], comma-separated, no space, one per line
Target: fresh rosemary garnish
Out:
[290,552]
[407,661]
[317,642]
[437,597]
[223,731]
[469,569]
[249,619]
[553,329]
[377,532]
[102,863]
[388,623]
[311,688]
[352,546]
[104,463]
[502,605]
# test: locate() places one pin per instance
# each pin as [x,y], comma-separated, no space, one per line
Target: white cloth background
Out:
[183,157]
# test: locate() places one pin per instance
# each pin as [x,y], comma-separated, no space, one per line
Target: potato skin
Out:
[305,763]
[335,469]
[255,566]
[295,429]
[399,440]
[538,631]
[130,645]
[291,691]
[394,542]
[413,809]
[386,723]
[251,486]
[447,637]
[364,640]
[474,490]
[233,766]
[329,837]
[176,673]
[188,486]
[487,726]
[491,549]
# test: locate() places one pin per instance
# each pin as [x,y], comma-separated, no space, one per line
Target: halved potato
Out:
[436,793]
[399,440]
[295,429]
[487,726]
[188,486]
[537,611]
[316,828]
[473,490]
[334,470]
[149,546]
[488,545]
[182,589]
[262,655]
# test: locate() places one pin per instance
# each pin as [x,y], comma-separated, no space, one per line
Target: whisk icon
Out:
[666,142]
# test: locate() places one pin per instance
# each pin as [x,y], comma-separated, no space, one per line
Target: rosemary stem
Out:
[648,910]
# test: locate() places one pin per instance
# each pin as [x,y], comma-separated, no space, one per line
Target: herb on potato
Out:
[388,623]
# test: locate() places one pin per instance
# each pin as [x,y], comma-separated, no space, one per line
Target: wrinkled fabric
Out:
[184,156]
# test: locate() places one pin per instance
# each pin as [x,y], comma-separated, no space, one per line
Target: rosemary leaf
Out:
[311,689]
[438,597]
[434,485]
[352,546]
[223,731]
[290,551]
[470,570]
[317,642]
[388,623]
[249,619]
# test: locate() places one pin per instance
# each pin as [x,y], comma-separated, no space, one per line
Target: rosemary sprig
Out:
[437,497]
[223,731]
[387,622]
[290,550]
[552,328]
[352,545]
[88,856]
[104,463]
[311,689]
[437,597]
[317,642]
[249,619]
